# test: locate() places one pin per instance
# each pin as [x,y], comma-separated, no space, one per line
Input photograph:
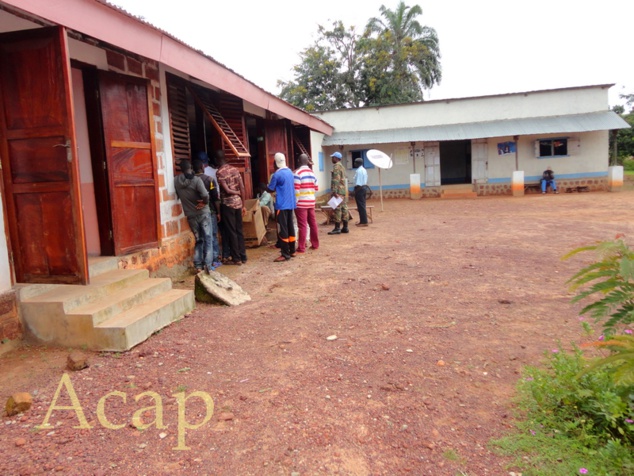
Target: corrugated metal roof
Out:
[595,121]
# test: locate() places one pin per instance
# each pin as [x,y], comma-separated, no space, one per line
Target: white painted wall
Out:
[591,160]
[462,111]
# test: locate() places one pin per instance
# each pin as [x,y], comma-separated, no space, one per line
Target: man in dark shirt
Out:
[548,178]
[214,206]
[232,196]
[194,198]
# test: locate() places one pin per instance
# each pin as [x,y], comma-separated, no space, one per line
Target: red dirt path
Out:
[436,308]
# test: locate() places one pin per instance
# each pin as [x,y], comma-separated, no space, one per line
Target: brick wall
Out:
[10,327]
[175,235]
[594,185]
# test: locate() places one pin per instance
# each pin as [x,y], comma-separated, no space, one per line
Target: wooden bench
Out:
[329,212]
[537,186]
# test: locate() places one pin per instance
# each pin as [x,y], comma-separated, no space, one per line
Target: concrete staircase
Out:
[119,308]
[458,191]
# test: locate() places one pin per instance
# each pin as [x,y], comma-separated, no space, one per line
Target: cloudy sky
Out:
[487,46]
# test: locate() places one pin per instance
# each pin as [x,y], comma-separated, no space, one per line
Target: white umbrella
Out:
[382,161]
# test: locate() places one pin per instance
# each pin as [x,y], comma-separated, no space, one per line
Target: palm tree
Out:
[413,62]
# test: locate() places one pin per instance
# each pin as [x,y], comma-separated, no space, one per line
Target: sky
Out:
[487,46]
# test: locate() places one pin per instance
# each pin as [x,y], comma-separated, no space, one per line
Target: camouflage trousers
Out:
[341,212]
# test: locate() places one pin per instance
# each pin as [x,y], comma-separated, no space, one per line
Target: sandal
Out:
[279,259]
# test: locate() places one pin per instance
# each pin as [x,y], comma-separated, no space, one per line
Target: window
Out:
[355,154]
[552,147]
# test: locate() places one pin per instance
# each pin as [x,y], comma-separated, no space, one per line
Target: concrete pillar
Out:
[615,178]
[517,183]
[415,192]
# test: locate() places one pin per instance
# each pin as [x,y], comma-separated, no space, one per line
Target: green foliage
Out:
[620,363]
[611,279]
[624,137]
[394,61]
[327,76]
[574,418]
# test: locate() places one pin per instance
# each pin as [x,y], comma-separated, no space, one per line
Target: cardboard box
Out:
[253,224]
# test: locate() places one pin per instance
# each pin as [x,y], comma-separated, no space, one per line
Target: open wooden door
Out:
[38,150]
[129,145]
[275,140]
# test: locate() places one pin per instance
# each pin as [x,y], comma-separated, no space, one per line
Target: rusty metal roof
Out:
[571,123]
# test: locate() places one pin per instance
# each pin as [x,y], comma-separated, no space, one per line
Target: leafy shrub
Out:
[573,419]
[612,277]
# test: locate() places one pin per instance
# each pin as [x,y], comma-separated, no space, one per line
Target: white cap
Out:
[280,160]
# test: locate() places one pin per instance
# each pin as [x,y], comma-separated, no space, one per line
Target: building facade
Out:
[479,142]
[97,108]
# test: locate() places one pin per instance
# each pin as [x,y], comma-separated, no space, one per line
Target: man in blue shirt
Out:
[282,183]
[360,182]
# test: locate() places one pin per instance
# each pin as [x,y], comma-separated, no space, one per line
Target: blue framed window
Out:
[321,161]
[361,154]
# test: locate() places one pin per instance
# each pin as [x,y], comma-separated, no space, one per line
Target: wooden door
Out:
[479,160]
[128,137]
[39,165]
[275,139]
[432,164]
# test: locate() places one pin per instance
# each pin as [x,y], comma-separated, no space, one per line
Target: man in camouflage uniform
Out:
[338,189]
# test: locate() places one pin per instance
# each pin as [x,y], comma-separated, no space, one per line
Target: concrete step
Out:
[135,325]
[101,264]
[136,293]
[461,194]
[68,297]
[118,310]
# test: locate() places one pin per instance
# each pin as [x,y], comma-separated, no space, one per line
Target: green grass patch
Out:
[572,421]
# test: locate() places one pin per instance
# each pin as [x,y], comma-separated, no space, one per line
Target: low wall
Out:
[593,184]
[10,326]
[172,258]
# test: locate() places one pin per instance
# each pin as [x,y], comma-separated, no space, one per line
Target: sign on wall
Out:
[505,148]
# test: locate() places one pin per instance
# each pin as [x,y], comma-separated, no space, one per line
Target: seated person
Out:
[266,202]
[548,178]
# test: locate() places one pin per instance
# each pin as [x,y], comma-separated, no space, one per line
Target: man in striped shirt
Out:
[305,188]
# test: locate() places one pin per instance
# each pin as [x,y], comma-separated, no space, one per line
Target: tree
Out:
[408,59]
[394,61]
[328,74]
[624,137]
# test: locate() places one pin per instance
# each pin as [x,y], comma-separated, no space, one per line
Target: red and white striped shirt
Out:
[305,187]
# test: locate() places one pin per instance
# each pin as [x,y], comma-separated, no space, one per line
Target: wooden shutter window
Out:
[179,123]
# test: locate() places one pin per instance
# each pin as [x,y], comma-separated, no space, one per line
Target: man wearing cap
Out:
[282,183]
[360,182]
[338,189]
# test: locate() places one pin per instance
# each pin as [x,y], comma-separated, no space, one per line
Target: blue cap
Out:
[336,155]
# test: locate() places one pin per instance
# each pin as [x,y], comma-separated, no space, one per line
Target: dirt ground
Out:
[436,307]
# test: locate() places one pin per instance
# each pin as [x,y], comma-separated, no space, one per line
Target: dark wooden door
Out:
[276,140]
[39,165]
[130,162]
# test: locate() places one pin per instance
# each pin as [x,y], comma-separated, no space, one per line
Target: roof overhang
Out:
[110,24]
[572,123]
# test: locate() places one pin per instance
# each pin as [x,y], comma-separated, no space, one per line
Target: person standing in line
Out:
[338,190]
[548,178]
[305,188]
[210,168]
[282,183]
[232,196]
[194,198]
[214,206]
[360,182]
